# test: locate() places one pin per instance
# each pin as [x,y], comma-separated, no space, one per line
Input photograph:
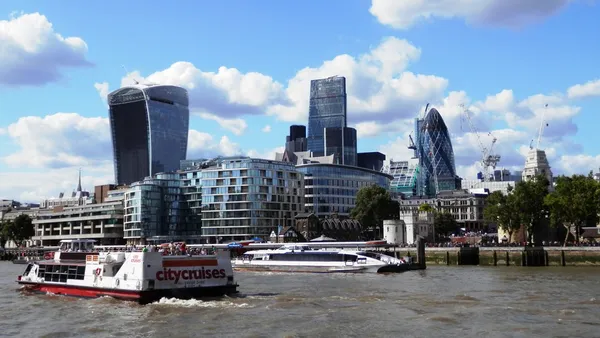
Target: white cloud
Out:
[268,154]
[33,53]
[226,93]
[579,164]
[378,84]
[59,140]
[33,186]
[266,129]
[508,13]
[237,126]
[588,89]
[103,90]
[2,131]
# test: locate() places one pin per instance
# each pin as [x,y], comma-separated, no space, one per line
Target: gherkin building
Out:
[436,157]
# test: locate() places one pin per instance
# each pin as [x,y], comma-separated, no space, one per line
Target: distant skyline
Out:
[248,66]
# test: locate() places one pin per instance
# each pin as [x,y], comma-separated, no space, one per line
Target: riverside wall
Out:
[507,256]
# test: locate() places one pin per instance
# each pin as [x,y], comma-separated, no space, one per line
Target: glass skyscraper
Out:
[149,127]
[435,153]
[327,110]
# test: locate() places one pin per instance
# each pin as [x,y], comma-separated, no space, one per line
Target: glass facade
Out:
[149,127]
[244,198]
[327,109]
[341,142]
[156,211]
[371,160]
[436,157]
[331,188]
[405,179]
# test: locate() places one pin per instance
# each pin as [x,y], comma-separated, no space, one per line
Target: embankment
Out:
[514,256]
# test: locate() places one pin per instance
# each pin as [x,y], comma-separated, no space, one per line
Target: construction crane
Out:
[411,141]
[488,160]
[541,130]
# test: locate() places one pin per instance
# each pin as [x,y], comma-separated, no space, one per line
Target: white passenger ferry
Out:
[77,270]
[300,258]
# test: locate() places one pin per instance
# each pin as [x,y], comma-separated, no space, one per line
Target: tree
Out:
[373,205]
[574,203]
[503,210]
[3,238]
[444,223]
[426,208]
[19,230]
[529,201]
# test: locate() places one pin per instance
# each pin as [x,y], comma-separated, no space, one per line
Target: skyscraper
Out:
[435,153]
[327,110]
[149,127]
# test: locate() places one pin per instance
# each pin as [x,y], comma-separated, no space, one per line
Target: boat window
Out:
[311,257]
[60,273]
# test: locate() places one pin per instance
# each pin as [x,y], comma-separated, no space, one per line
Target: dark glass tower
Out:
[436,156]
[149,127]
[341,142]
[327,110]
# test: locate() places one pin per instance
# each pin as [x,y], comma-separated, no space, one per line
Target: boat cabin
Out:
[76,245]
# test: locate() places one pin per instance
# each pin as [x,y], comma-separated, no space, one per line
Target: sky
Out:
[248,64]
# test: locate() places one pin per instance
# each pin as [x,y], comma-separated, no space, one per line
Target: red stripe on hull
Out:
[83,292]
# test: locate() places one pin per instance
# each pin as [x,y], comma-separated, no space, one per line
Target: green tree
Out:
[426,208]
[373,205]
[503,210]
[444,223]
[529,201]
[3,238]
[574,203]
[19,230]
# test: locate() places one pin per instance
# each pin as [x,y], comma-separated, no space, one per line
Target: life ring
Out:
[98,271]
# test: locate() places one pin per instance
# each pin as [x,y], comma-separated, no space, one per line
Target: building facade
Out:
[244,197]
[370,160]
[537,163]
[332,188]
[467,208]
[341,143]
[436,156]
[406,178]
[327,109]
[156,212]
[102,222]
[149,128]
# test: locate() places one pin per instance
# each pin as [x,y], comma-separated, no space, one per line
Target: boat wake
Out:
[196,303]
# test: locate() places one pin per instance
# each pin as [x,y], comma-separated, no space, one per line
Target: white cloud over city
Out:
[384,96]
[32,53]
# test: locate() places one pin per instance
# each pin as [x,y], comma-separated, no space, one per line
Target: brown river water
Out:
[439,302]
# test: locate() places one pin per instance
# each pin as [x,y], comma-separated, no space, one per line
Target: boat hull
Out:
[326,269]
[141,297]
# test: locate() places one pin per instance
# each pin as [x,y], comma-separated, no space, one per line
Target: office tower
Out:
[327,110]
[435,153]
[149,126]
[341,142]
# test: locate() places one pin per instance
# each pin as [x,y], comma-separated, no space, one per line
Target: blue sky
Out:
[396,55]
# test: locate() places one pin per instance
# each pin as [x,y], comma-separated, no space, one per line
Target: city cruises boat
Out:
[299,258]
[76,270]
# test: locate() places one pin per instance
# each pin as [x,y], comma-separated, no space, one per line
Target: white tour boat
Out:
[76,270]
[301,258]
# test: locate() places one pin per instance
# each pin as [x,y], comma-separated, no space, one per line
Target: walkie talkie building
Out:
[149,127]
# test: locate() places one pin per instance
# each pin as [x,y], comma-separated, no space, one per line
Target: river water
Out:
[439,302]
